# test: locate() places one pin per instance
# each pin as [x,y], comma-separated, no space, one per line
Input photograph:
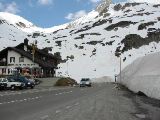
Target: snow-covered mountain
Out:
[92,46]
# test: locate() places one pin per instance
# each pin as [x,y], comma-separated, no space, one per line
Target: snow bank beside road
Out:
[102,79]
[143,75]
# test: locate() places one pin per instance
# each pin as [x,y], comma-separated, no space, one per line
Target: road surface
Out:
[100,102]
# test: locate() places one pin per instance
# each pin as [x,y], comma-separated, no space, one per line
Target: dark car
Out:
[27,82]
[85,82]
[3,85]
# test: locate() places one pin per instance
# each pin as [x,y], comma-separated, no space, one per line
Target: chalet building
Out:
[28,59]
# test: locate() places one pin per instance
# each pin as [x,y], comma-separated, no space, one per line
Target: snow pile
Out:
[102,79]
[143,75]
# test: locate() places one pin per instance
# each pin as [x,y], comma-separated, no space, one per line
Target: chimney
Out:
[26,41]
[25,44]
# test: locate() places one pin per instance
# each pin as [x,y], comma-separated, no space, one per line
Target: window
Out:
[8,71]
[21,59]
[12,59]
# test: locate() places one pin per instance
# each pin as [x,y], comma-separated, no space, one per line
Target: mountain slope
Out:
[92,46]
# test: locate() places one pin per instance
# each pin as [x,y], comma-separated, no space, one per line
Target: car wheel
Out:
[12,87]
[21,88]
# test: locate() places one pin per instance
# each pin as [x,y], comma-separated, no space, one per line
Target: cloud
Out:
[148,1]
[91,1]
[94,1]
[73,16]
[45,2]
[9,7]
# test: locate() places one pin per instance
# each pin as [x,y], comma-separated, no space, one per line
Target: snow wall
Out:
[143,75]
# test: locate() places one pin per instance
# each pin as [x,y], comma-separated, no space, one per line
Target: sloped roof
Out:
[41,51]
[29,56]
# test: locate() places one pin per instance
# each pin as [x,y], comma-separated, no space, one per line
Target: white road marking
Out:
[76,103]
[44,117]
[68,107]
[58,111]
[32,91]
[22,100]
[36,97]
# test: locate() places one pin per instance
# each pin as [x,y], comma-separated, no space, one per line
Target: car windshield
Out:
[4,80]
[85,79]
[11,80]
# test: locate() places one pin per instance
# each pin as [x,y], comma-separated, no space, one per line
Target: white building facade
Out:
[15,60]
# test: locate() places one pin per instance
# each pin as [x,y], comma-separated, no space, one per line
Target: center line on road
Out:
[58,111]
[76,103]
[45,117]
[22,100]
[68,107]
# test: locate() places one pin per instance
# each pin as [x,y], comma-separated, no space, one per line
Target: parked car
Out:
[3,85]
[35,80]
[85,82]
[27,82]
[13,84]
[31,78]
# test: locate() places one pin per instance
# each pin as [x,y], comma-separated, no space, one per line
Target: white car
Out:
[85,82]
[12,84]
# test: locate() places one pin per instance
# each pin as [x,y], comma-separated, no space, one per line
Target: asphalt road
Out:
[100,102]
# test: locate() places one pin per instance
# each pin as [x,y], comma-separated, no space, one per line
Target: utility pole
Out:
[33,52]
[34,45]
[120,69]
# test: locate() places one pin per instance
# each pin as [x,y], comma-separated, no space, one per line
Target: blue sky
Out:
[48,13]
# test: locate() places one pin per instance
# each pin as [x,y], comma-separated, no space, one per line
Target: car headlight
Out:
[87,82]
[29,83]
